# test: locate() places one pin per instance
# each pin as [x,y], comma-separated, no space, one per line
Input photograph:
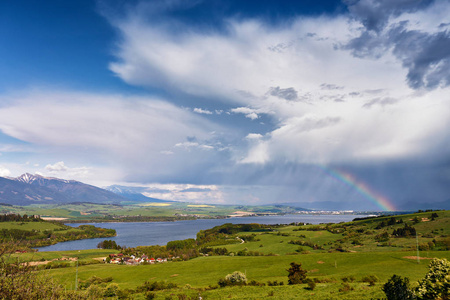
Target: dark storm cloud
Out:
[287,93]
[406,182]
[425,55]
[374,14]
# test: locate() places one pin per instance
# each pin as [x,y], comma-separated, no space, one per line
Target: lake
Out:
[159,233]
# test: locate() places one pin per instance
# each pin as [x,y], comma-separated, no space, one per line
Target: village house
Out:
[133,260]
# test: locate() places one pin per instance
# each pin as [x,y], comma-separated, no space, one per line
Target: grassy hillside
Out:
[35,232]
[337,257]
[90,212]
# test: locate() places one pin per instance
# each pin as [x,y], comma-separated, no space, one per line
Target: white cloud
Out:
[253,136]
[298,74]
[106,131]
[248,112]
[57,167]
[186,193]
[189,145]
[202,111]
[4,172]
[60,169]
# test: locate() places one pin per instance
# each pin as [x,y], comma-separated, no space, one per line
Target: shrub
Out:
[350,278]
[311,284]
[371,279]
[274,283]
[235,278]
[20,281]
[256,283]
[397,288]
[345,288]
[434,216]
[382,237]
[407,231]
[296,273]
[436,284]
[150,295]
[155,286]
[95,291]
[111,290]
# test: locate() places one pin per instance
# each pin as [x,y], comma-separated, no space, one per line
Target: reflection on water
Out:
[159,233]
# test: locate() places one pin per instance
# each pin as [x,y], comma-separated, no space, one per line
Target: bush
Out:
[345,288]
[397,288]
[436,284]
[150,295]
[95,291]
[111,290]
[311,284]
[371,279]
[350,278]
[235,278]
[155,286]
[20,281]
[296,274]
[256,283]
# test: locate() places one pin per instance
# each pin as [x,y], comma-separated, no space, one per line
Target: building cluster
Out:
[134,260]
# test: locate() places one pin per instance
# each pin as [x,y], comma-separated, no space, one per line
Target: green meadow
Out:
[337,257]
[132,211]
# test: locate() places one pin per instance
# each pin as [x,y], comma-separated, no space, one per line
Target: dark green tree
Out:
[397,288]
[296,274]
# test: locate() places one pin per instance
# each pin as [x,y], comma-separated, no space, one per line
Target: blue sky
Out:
[231,101]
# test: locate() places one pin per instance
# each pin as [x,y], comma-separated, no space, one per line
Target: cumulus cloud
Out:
[367,87]
[4,172]
[254,136]
[60,169]
[336,67]
[57,167]
[248,112]
[202,111]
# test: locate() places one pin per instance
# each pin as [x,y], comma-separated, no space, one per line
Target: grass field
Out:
[206,271]
[324,264]
[91,211]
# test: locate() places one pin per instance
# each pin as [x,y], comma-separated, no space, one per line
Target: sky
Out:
[231,102]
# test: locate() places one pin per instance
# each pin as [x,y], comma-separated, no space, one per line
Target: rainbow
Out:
[360,187]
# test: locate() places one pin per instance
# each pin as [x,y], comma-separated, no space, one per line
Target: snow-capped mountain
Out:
[32,189]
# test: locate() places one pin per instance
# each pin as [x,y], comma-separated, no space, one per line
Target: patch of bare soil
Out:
[37,263]
[100,258]
[415,257]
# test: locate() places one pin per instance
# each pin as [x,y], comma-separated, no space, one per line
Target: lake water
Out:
[159,233]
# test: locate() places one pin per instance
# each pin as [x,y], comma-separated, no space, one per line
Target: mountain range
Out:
[36,189]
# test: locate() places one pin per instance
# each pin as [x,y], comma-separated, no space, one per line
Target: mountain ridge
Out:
[29,189]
